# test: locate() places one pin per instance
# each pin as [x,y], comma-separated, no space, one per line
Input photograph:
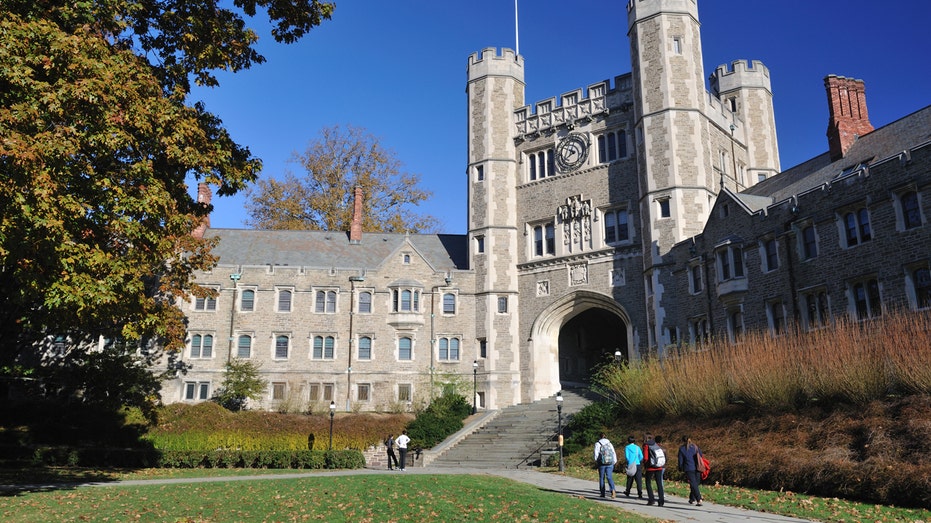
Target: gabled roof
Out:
[327,249]
[882,143]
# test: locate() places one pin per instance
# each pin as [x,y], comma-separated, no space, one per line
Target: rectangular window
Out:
[664,211]
[777,318]
[284,301]
[325,302]
[544,240]
[449,303]
[816,312]
[205,304]
[867,302]
[365,302]
[278,391]
[247,300]
[202,346]
[365,348]
[448,349]
[479,244]
[502,304]
[771,255]
[677,45]
[911,209]
[282,344]
[617,227]
[328,389]
[314,392]
[482,348]
[244,347]
[856,226]
[405,349]
[404,392]
[363,392]
[695,278]
[479,173]
[921,281]
[809,243]
[196,390]
[323,347]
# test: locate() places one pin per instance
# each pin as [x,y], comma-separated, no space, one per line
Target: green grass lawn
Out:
[375,498]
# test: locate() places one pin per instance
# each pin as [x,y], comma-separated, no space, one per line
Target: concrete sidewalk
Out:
[675,508]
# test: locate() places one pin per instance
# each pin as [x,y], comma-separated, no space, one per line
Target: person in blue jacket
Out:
[634,455]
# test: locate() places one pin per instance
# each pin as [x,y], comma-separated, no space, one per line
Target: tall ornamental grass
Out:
[850,362]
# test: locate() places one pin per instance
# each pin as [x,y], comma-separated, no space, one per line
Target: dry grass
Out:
[843,411]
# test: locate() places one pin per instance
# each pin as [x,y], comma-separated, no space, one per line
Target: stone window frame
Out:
[323,339]
[815,303]
[409,349]
[696,277]
[777,317]
[364,392]
[278,391]
[195,391]
[770,258]
[198,342]
[280,293]
[853,225]
[446,343]
[616,225]
[359,347]
[239,345]
[329,304]
[247,291]
[206,304]
[905,217]
[365,305]
[449,309]
[864,298]
[612,145]
[276,346]
[729,263]
[541,163]
[543,239]
[918,292]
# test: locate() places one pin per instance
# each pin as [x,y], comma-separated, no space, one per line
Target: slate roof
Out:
[327,249]
[889,140]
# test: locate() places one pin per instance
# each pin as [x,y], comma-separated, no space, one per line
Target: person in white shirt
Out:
[402,442]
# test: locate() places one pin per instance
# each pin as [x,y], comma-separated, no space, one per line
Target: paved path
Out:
[675,508]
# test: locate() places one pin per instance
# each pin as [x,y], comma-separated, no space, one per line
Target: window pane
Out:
[449,303]
[911,210]
[281,347]
[331,301]
[320,301]
[444,349]
[404,349]
[284,301]
[244,348]
[328,344]
[318,347]
[195,346]
[207,350]
[248,300]
[204,391]
[405,301]
[365,302]
[365,348]
[454,349]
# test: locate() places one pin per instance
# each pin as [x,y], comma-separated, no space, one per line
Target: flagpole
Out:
[516,33]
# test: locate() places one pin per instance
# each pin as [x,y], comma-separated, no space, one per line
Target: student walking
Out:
[656,463]
[689,459]
[634,455]
[402,442]
[606,458]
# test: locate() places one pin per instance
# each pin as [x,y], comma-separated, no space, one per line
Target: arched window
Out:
[365,302]
[247,300]
[282,344]
[244,347]
[405,349]
[365,348]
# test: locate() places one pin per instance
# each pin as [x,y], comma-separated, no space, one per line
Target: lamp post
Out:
[474,382]
[332,413]
[617,357]
[559,428]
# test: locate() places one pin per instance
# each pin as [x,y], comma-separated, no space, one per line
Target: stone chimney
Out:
[848,119]
[204,196]
[355,229]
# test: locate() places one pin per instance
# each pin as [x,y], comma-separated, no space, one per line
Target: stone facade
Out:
[608,222]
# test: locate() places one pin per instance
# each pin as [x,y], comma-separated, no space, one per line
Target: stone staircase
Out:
[516,437]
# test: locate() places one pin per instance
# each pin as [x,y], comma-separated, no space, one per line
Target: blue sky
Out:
[398,69]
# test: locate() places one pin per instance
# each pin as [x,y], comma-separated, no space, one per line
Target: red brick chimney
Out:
[204,196]
[849,119]
[355,229]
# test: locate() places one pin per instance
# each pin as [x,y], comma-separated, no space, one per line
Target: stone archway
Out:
[571,336]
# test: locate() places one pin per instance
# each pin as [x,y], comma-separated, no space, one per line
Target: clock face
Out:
[572,152]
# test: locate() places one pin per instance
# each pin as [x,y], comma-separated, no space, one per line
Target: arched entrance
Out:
[586,340]
[571,336]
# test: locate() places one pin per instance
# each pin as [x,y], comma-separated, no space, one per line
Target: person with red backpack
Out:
[691,462]
[655,465]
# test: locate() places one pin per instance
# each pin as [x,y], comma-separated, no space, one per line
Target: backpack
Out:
[606,456]
[389,442]
[657,456]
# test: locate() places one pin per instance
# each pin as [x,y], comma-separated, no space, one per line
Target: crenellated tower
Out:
[495,89]
[745,89]
[677,181]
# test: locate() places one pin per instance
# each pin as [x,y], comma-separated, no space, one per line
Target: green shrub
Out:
[585,427]
[438,421]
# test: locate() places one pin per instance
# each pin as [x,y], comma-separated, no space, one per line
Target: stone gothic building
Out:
[611,221]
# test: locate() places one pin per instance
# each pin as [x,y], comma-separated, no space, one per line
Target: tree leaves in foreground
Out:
[97,141]
[335,163]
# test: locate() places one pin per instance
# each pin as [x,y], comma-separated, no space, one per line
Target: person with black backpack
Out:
[605,458]
[655,466]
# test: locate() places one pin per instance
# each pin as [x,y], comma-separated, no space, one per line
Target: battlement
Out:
[491,62]
[740,74]
[643,9]
[574,105]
